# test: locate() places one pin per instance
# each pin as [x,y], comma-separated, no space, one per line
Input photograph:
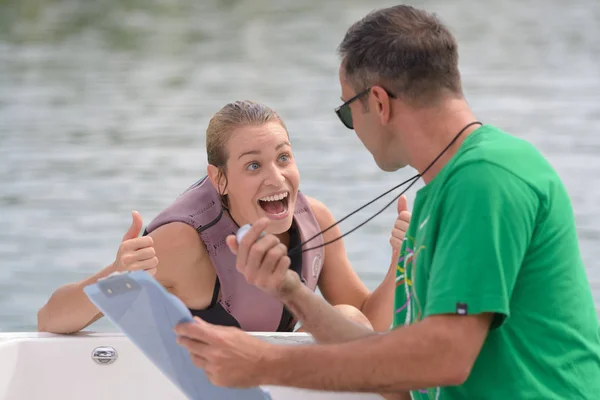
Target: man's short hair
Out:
[406,50]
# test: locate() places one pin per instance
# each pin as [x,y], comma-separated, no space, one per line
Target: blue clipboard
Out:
[146,313]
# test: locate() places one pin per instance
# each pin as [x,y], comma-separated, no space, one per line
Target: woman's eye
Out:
[252,166]
[284,157]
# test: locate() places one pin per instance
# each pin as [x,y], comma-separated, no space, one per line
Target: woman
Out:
[251,174]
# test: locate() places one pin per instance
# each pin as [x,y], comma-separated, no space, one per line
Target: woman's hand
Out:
[136,253]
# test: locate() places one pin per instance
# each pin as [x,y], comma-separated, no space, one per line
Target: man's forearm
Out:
[328,325]
[408,358]
[396,396]
[322,320]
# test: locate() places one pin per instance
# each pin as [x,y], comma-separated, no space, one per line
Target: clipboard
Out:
[147,314]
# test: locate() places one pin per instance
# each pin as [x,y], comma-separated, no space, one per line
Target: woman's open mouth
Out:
[276,206]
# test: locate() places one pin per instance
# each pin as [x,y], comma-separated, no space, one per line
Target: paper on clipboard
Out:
[146,313]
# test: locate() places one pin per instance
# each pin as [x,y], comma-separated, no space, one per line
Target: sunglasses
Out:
[344,112]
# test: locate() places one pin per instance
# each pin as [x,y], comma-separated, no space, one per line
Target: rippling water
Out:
[103,107]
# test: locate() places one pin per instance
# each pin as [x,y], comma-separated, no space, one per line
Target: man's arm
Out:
[396,396]
[476,262]
[438,351]
[318,317]
[327,325]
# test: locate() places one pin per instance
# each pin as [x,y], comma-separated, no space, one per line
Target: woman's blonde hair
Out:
[229,118]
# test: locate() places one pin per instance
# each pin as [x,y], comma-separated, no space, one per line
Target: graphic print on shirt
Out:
[409,309]
[405,278]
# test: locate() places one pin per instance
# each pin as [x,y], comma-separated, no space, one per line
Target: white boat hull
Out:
[45,366]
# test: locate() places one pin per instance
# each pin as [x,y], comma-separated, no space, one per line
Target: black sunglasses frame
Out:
[341,110]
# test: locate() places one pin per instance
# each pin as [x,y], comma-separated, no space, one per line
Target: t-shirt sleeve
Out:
[487,219]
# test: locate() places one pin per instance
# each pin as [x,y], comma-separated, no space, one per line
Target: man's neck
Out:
[433,130]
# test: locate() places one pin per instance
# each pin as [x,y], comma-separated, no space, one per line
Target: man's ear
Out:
[381,104]
[217,179]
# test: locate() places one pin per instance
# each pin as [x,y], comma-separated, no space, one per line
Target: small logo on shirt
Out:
[462,308]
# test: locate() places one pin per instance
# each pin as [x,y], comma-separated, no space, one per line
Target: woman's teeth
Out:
[275,197]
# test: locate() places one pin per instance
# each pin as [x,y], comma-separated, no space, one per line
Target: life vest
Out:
[251,308]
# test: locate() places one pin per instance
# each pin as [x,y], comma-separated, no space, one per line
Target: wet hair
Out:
[229,118]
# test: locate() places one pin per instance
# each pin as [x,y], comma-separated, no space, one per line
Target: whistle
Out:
[242,232]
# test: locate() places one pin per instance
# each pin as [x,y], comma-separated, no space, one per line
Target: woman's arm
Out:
[381,300]
[69,309]
[340,284]
[179,249]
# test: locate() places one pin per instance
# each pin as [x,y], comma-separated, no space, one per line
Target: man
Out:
[492,298]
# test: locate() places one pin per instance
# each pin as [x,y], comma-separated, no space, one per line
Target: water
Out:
[103,107]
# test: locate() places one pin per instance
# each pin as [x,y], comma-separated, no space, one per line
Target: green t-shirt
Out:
[494,231]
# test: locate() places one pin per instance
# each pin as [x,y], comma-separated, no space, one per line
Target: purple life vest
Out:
[253,310]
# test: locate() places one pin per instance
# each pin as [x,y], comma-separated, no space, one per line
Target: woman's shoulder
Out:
[176,236]
[180,252]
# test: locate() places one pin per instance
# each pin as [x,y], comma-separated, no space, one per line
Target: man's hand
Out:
[264,262]
[228,356]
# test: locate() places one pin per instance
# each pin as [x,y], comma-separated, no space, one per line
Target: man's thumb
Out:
[136,226]
[402,204]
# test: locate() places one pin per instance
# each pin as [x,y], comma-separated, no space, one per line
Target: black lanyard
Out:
[411,180]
